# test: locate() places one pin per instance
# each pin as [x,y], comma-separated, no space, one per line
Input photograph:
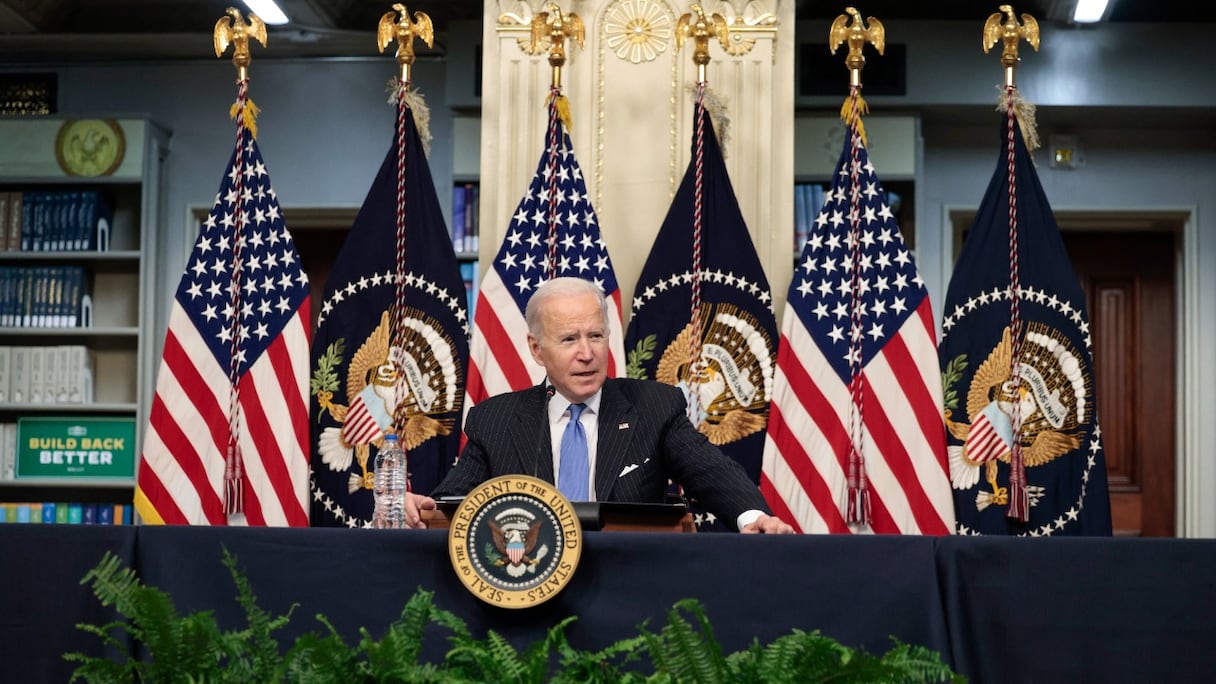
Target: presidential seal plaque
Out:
[515,541]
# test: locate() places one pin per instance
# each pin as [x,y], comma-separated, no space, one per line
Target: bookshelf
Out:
[466,235]
[466,202]
[76,278]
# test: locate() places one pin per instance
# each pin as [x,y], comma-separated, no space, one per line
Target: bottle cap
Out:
[390,437]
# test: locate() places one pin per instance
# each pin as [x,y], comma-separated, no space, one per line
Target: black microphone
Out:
[541,440]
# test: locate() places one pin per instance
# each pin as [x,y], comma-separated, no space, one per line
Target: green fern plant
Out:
[176,646]
[193,648]
[687,652]
[326,659]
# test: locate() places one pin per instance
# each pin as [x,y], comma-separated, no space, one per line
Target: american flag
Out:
[499,360]
[881,320]
[182,471]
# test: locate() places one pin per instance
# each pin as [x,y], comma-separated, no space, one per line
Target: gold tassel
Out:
[1024,112]
[563,110]
[249,118]
[718,114]
[846,115]
[422,113]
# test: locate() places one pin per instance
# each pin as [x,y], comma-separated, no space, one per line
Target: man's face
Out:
[573,345]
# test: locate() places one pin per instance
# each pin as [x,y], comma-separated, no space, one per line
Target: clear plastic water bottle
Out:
[390,485]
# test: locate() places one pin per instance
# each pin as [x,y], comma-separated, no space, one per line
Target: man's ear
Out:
[534,347]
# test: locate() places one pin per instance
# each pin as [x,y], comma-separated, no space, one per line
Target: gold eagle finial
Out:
[1009,32]
[856,34]
[700,28]
[404,31]
[232,29]
[556,27]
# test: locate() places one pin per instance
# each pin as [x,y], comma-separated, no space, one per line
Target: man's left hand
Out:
[767,524]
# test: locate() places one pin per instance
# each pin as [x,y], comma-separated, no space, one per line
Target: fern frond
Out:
[316,659]
[686,654]
[917,663]
[600,667]
[395,657]
[256,652]
[492,659]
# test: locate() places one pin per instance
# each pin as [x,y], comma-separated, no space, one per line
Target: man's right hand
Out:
[414,505]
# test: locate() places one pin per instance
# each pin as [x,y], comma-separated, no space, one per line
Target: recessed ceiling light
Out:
[268,11]
[1089,11]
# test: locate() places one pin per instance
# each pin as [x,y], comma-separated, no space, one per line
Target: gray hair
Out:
[560,287]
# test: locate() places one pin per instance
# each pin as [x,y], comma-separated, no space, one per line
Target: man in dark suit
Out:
[637,433]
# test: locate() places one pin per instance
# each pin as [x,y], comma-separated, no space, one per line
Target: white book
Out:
[8,451]
[61,372]
[19,378]
[86,378]
[5,356]
[36,364]
[77,362]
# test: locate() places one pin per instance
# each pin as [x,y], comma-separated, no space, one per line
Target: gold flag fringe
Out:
[1024,112]
[563,109]
[846,115]
[422,113]
[249,118]
[716,106]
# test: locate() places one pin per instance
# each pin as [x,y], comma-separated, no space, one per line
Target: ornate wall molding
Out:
[630,100]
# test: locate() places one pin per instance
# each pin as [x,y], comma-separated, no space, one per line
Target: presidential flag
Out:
[227,439]
[1016,350]
[702,312]
[856,442]
[362,378]
[553,232]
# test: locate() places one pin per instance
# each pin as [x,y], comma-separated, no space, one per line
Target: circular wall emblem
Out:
[90,147]
[515,541]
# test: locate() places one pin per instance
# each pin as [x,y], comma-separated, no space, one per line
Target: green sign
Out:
[76,447]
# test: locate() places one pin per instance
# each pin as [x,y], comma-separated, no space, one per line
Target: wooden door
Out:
[1129,284]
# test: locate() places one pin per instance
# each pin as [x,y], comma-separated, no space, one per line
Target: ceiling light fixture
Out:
[268,11]
[1089,11]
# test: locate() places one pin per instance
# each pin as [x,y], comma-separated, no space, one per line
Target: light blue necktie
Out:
[574,468]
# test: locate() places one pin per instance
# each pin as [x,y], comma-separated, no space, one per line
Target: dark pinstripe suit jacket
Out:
[645,438]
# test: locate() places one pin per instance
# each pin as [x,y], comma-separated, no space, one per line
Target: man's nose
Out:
[583,348]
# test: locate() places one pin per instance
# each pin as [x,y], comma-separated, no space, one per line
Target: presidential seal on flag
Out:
[390,346]
[1051,401]
[417,382]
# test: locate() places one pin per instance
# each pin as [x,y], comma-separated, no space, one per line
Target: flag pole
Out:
[849,28]
[700,28]
[232,30]
[1009,32]
[396,26]
[554,27]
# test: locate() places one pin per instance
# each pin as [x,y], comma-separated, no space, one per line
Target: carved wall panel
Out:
[631,101]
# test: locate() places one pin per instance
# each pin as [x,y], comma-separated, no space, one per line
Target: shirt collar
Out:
[559,404]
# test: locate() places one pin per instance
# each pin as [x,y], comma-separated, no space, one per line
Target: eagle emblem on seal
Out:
[408,384]
[515,542]
[732,382]
[1050,399]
